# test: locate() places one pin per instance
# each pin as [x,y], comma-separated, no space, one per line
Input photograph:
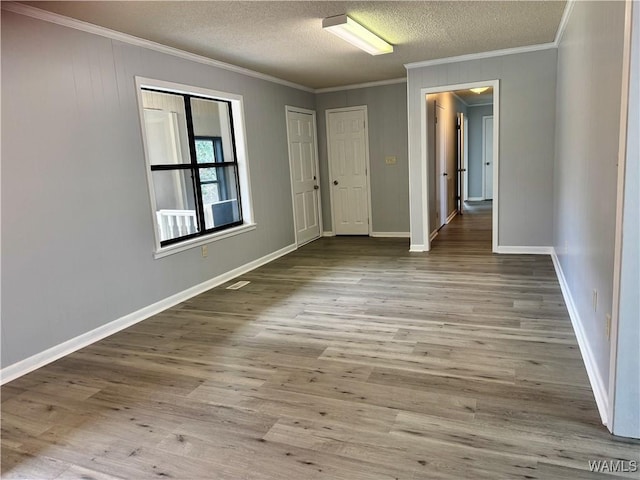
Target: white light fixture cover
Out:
[357,35]
[479,90]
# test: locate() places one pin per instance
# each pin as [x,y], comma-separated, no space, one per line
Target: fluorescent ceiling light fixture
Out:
[479,90]
[354,33]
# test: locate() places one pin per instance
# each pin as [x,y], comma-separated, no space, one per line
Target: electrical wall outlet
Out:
[391,160]
[608,325]
[205,251]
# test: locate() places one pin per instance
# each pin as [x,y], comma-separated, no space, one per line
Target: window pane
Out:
[220,199]
[209,149]
[210,194]
[204,151]
[175,203]
[208,175]
[212,120]
[165,128]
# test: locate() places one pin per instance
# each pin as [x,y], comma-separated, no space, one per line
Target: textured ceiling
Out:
[286,40]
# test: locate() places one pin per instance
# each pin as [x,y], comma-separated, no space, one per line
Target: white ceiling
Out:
[285,38]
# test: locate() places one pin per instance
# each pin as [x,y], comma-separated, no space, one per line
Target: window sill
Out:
[196,242]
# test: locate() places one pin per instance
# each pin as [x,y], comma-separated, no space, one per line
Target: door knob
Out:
[316,187]
[445,174]
[487,163]
[335,182]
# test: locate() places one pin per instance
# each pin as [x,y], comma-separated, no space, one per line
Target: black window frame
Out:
[194,167]
[218,152]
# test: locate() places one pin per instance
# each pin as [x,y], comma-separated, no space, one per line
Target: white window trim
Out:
[237,109]
[205,239]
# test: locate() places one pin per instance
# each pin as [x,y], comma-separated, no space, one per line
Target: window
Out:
[198,177]
[208,149]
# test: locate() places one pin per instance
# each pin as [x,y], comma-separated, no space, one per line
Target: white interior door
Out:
[304,175]
[465,174]
[487,156]
[442,184]
[461,179]
[347,141]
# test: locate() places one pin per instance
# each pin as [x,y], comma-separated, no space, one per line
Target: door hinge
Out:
[436,119]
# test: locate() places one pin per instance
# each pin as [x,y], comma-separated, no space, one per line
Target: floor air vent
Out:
[238,285]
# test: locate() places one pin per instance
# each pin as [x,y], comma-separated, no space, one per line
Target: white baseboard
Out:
[417,248]
[65,348]
[474,199]
[450,217]
[328,234]
[390,234]
[597,384]
[524,250]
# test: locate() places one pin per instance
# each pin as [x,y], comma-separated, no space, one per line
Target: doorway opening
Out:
[460,127]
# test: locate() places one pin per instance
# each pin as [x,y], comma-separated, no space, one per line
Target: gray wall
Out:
[475,166]
[387,110]
[77,233]
[585,174]
[527,127]
[627,397]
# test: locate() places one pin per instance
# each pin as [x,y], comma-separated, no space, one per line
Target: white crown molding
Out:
[51,17]
[568,8]
[480,55]
[45,357]
[471,105]
[489,104]
[55,18]
[460,98]
[507,51]
[355,86]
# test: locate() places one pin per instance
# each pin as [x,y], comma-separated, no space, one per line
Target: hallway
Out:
[470,231]
[350,358]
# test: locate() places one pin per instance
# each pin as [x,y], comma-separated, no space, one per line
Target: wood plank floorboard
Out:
[350,358]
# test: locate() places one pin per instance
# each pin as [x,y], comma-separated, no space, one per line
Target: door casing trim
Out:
[424,150]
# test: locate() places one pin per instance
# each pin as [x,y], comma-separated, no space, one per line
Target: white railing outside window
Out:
[178,223]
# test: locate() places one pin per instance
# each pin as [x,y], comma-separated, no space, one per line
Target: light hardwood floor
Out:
[348,359]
